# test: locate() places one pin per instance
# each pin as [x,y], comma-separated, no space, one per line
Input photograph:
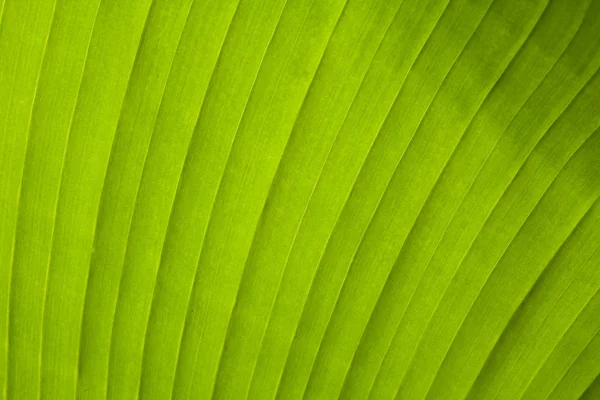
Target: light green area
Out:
[319,199]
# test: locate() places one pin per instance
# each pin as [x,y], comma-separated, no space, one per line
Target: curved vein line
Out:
[59,189]
[20,187]
[495,145]
[144,168]
[595,382]
[154,125]
[246,170]
[553,309]
[137,57]
[535,208]
[498,200]
[6,345]
[415,133]
[544,271]
[479,108]
[572,363]
[2,5]
[145,156]
[543,322]
[279,164]
[440,176]
[528,348]
[220,181]
[62,168]
[478,173]
[360,170]
[111,156]
[549,129]
[543,362]
[321,172]
[177,46]
[193,283]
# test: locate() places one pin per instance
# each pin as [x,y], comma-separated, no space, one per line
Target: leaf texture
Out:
[285,199]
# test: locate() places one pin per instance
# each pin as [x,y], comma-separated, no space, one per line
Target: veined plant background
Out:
[285,199]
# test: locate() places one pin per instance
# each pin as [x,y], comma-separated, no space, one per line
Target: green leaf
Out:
[320,199]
